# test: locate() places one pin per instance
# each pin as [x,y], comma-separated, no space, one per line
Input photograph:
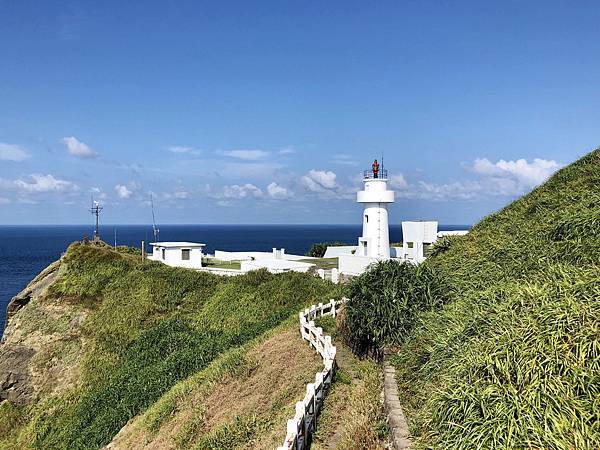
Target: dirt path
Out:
[353,416]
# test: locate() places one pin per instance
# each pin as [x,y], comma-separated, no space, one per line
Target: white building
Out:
[375,239]
[417,237]
[178,254]
[373,245]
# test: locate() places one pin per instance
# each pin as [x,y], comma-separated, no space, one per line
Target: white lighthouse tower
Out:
[375,239]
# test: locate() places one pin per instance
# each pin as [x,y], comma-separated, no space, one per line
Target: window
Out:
[366,218]
[185,254]
[410,244]
[163,253]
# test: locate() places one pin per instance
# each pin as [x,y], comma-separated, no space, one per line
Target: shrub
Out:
[384,302]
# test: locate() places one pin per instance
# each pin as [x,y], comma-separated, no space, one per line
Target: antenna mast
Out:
[155,230]
[95,210]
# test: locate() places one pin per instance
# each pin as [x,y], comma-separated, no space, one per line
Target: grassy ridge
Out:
[513,360]
[150,326]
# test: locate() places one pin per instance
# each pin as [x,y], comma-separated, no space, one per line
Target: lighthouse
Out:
[375,239]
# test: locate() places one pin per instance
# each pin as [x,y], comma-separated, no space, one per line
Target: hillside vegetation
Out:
[511,359]
[113,336]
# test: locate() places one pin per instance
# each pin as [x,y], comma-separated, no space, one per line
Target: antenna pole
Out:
[95,210]
[155,231]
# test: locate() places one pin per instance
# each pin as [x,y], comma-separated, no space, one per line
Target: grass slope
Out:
[147,327]
[513,360]
[241,400]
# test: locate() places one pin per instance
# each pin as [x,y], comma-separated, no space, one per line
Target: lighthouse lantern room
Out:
[375,239]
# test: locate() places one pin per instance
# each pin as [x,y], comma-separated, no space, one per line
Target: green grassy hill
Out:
[512,360]
[112,335]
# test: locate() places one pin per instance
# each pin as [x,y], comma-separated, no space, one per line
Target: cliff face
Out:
[34,361]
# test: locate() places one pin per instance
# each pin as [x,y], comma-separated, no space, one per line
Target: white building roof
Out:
[177,244]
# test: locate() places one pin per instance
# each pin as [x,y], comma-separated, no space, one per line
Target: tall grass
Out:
[513,359]
[385,301]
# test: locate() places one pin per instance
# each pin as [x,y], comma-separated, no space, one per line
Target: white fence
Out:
[302,426]
[332,275]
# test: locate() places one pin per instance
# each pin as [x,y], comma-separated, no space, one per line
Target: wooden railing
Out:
[301,428]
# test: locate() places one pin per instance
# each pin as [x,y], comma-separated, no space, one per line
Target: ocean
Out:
[26,250]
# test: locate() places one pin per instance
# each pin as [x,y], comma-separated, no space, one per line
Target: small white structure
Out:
[375,239]
[277,253]
[275,265]
[417,237]
[277,261]
[178,254]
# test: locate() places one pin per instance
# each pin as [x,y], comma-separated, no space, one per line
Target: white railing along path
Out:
[302,426]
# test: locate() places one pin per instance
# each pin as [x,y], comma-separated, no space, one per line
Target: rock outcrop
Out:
[30,363]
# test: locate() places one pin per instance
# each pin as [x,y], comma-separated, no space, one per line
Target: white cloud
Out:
[398,181]
[98,193]
[279,192]
[247,190]
[289,150]
[179,149]
[4,201]
[344,159]
[247,155]
[514,177]
[44,183]
[11,152]
[235,170]
[181,195]
[77,148]
[503,178]
[319,180]
[450,191]
[122,191]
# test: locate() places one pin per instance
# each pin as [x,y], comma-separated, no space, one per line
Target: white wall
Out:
[334,252]
[173,257]
[275,265]
[241,256]
[355,265]
[419,234]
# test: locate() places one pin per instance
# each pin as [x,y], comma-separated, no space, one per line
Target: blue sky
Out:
[268,111]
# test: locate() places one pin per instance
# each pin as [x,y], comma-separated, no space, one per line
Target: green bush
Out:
[385,300]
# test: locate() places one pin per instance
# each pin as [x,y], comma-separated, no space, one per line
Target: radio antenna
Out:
[155,230]
[95,210]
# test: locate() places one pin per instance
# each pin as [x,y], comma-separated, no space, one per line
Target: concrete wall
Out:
[241,256]
[334,252]
[355,265]
[419,235]
[275,265]
[173,257]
